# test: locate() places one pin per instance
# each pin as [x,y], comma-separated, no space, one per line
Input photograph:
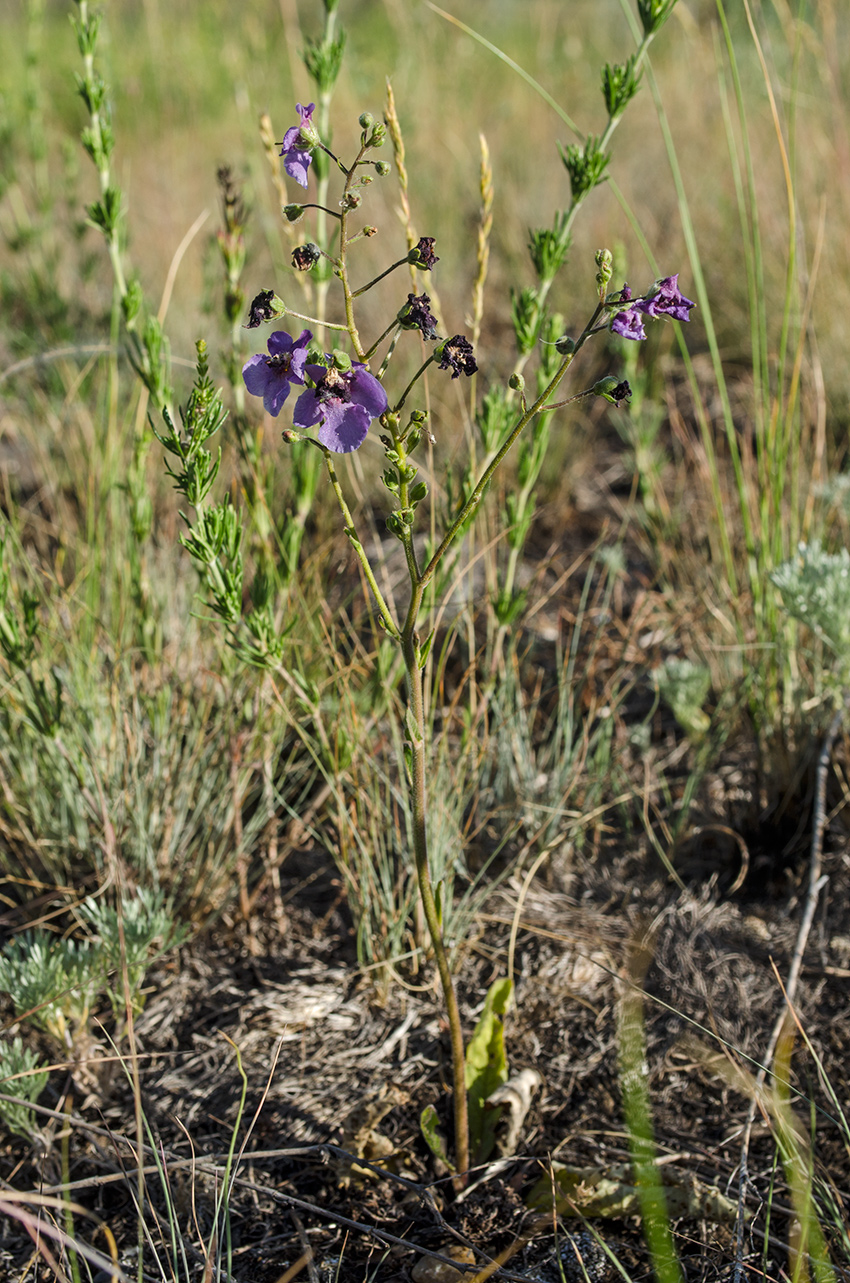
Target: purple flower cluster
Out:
[298,144]
[664,299]
[342,402]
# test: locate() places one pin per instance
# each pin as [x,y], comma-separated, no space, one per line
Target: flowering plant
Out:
[340,400]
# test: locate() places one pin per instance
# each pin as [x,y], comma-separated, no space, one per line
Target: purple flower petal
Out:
[271,376]
[628,325]
[367,391]
[343,403]
[308,410]
[296,165]
[344,427]
[666,300]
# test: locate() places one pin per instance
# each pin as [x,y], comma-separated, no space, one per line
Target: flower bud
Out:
[132,302]
[605,263]
[517,382]
[565,345]
[366,120]
[291,437]
[382,168]
[341,360]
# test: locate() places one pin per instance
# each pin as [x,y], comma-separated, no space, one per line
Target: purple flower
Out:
[343,403]
[298,144]
[270,376]
[628,325]
[664,299]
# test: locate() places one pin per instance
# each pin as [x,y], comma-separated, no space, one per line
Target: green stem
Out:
[342,269]
[393,325]
[418,375]
[604,140]
[486,476]
[416,728]
[363,288]
[383,609]
[113,239]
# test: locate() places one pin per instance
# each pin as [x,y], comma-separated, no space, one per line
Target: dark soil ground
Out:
[330,1068]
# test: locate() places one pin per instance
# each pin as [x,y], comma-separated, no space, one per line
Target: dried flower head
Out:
[422,255]
[456,355]
[305,256]
[416,315]
[265,307]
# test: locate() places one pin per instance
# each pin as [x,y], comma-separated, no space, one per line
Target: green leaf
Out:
[425,649]
[486,1069]
[428,1124]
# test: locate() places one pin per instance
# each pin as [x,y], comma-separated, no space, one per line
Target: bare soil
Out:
[329,1067]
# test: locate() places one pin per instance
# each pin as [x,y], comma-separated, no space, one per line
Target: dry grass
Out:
[267,807]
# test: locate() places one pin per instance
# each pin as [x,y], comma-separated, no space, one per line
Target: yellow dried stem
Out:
[393,125]
[271,148]
[485,227]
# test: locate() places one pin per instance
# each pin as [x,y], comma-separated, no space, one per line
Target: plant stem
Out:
[384,610]
[484,480]
[416,729]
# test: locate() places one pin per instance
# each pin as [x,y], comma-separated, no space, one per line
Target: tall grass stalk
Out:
[769,480]
[806,1242]
[637,1114]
